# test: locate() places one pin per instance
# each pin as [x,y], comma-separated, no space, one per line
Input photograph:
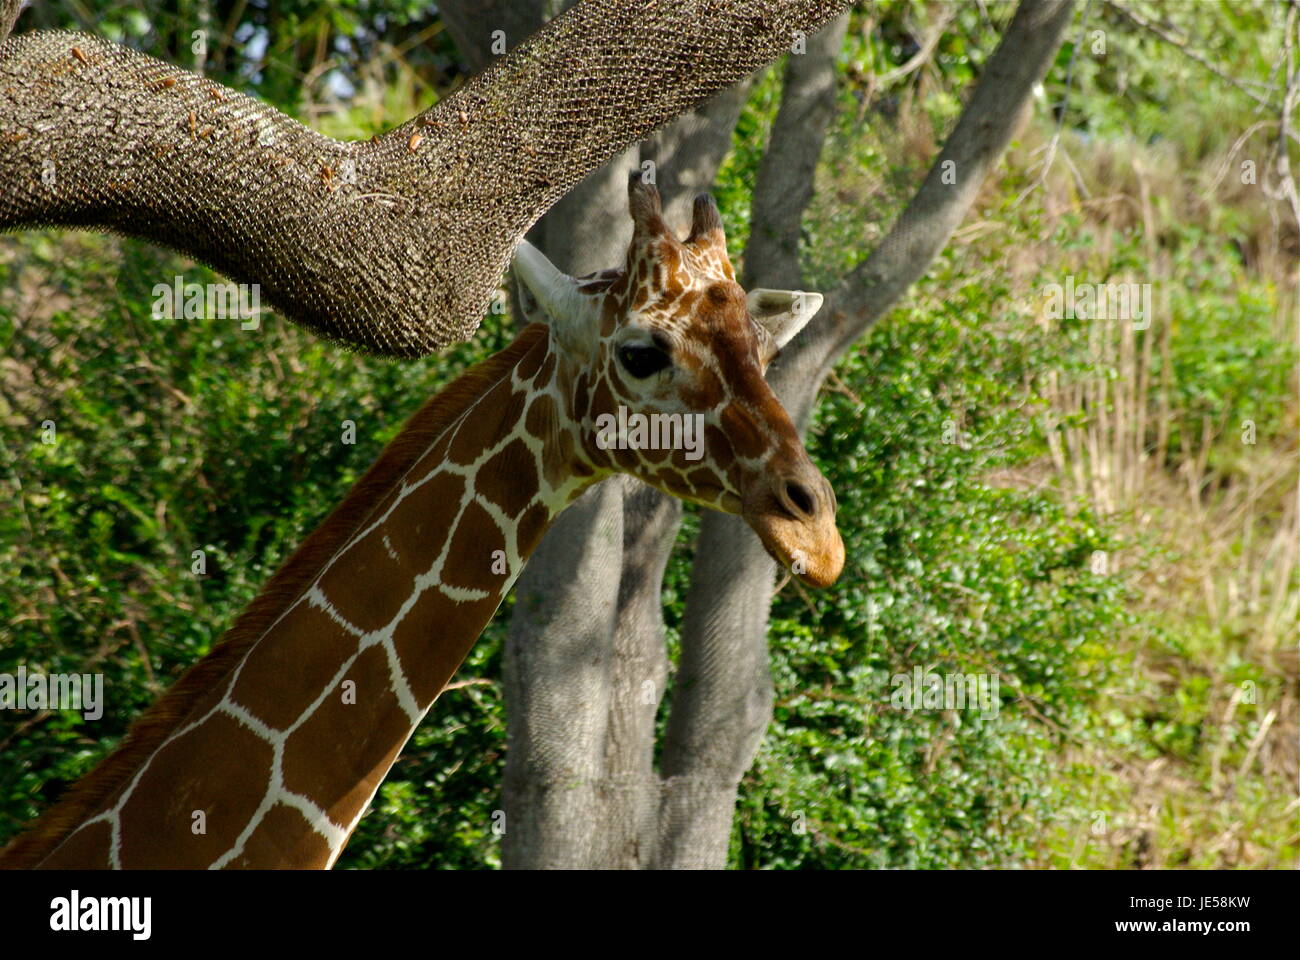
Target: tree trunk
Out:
[607,782]
[732,577]
[722,700]
[628,800]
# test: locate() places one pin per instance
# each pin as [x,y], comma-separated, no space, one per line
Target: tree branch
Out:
[1184,48]
[975,145]
[9,11]
[785,174]
[394,245]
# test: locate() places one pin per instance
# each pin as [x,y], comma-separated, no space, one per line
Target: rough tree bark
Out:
[9,10]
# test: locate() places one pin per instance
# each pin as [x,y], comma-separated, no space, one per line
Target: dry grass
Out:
[1211,533]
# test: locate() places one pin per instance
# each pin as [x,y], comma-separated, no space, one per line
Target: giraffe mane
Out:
[293,577]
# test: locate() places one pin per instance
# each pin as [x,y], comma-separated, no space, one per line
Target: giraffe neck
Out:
[275,763]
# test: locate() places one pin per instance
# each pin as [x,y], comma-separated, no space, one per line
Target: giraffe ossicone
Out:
[269,750]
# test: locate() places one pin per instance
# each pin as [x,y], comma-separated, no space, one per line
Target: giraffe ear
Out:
[782,313]
[547,294]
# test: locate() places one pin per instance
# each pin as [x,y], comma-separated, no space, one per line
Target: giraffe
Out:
[268,751]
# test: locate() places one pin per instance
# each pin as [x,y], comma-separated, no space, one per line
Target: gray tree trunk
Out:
[724,699]
[606,785]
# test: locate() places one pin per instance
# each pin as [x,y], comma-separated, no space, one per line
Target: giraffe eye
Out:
[642,360]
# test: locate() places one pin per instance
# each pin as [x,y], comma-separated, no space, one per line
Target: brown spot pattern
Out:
[194,772]
[280,654]
[341,752]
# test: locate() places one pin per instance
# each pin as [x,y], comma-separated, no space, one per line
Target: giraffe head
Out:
[661,366]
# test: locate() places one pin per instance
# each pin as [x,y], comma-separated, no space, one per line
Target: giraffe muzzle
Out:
[793,514]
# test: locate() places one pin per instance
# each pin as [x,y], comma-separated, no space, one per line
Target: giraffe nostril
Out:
[800,499]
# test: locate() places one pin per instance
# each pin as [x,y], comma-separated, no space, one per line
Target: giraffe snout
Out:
[793,513]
